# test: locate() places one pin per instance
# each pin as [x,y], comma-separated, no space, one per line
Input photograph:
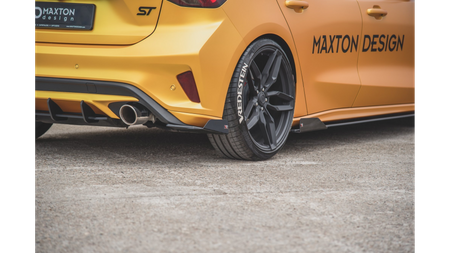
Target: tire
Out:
[259,109]
[42,128]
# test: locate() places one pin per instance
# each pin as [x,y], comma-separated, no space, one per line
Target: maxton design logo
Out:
[64,14]
[346,43]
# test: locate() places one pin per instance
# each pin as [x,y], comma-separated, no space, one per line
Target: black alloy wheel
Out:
[259,105]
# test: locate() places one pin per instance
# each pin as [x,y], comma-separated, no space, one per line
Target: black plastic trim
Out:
[367,120]
[313,124]
[87,113]
[88,116]
[55,111]
[106,88]
[212,126]
[309,124]
[199,7]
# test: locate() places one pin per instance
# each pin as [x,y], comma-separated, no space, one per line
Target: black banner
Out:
[64,15]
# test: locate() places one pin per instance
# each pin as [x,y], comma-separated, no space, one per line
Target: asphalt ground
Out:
[345,189]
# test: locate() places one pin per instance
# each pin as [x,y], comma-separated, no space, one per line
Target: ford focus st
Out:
[245,72]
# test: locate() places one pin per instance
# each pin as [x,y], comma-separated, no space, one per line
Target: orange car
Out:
[246,72]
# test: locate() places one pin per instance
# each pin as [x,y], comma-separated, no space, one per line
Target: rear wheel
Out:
[259,105]
[41,128]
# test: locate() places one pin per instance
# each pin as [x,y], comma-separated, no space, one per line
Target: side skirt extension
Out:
[314,124]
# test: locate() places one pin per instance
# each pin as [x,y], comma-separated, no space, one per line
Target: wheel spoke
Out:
[281,95]
[251,122]
[266,71]
[271,130]
[267,128]
[252,84]
[249,107]
[263,128]
[280,108]
[256,75]
[273,72]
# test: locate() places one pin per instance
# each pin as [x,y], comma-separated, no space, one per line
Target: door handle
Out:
[298,6]
[377,13]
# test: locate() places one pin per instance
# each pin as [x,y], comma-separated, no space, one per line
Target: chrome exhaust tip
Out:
[135,115]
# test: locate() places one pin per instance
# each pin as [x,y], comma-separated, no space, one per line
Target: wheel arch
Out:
[288,46]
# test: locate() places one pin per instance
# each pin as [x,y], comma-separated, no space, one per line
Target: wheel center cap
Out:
[261,98]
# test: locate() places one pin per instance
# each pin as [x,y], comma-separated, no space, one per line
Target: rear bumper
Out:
[85,102]
[202,41]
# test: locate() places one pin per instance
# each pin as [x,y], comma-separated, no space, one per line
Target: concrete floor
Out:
[346,189]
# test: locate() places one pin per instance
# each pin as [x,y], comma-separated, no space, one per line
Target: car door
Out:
[327,34]
[386,60]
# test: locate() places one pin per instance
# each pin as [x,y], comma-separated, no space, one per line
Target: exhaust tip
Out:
[132,115]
